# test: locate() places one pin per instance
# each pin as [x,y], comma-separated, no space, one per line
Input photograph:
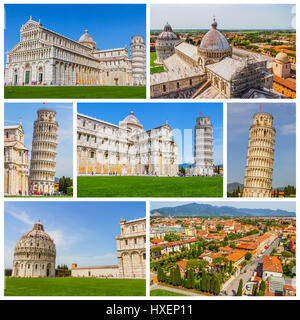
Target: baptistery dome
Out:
[214,46]
[34,254]
[87,40]
[168,33]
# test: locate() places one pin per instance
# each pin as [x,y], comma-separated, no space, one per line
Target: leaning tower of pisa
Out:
[43,153]
[138,60]
[259,169]
[203,147]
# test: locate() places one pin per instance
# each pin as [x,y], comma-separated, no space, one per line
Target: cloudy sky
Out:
[232,16]
[84,232]
[181,118]
[27,113]
[239,120]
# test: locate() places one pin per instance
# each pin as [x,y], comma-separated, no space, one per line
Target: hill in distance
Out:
[207,210]
[233,186]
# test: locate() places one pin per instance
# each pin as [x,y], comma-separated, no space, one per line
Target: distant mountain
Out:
[207,210]
[234,186]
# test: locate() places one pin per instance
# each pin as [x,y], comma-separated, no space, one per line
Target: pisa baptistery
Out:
[34,254]
[203,147]
[259,169]
[138,60]
[43,153]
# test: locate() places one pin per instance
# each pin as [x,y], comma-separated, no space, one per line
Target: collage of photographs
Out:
[149,150]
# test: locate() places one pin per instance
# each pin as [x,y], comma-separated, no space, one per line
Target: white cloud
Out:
[63,240]
[22,216]
[288,129]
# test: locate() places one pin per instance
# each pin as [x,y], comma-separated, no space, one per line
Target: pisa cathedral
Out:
[44,57]
[260,158]
[211,70]
[40,180]
[104,148]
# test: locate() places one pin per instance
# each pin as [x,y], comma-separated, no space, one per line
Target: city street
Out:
[247,272]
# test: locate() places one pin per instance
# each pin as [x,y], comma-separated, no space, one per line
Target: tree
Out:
[240,289]
[248,255]
[64,183]
[203,281]
[171,237]
[230,266]
[208,283]
[262,288]
[177,276]
[190,279]
[217,288]
[254,289]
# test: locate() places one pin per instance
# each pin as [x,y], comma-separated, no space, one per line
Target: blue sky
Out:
[111,26]
[239,120]
[27,113]
[283,205]
[180,116]
[84,232]
[253,16]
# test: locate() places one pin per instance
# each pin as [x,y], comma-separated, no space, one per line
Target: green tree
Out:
[254,289]
[177,276]
[217,287]
[248,255]
[203,281]
[240,289]
[64,183]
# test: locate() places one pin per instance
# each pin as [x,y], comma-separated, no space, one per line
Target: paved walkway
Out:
[186,293]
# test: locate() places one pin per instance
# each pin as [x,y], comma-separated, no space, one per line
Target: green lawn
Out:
[107,186]
[84,92]
[74,287]
[157,69]
[152,59]
[160,292]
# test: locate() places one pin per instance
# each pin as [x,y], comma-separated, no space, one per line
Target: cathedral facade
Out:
[126,149]
[15,161]
[212,70]
[131,247]
[44,57]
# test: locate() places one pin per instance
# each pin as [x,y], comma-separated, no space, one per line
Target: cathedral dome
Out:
[214,39]
[87,40]
[168,33]
[132,119]
[282,57]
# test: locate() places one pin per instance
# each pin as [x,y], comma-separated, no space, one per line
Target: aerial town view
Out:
[261,142]
[130,150]
[51,249]
[41,134]
[223,249]
[61,58]
[219,52]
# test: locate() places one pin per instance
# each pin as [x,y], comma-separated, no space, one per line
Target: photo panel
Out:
[150,150]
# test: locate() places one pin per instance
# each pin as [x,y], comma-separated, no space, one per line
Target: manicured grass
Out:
[157,70]
[74,287]
[152,59]
[84,92]
[160,292]
[107,186]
